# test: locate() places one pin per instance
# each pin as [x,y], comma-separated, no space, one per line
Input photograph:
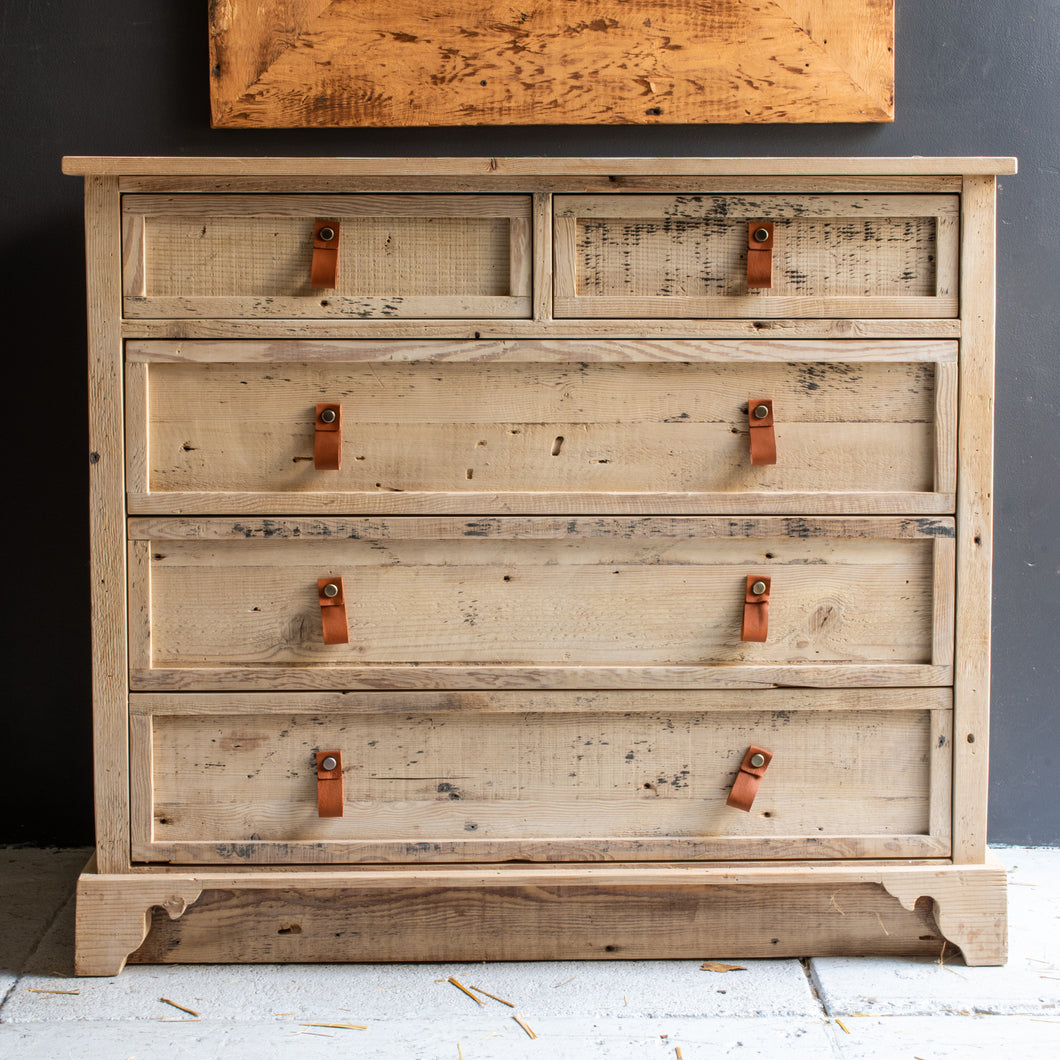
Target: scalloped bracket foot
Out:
[969,905]
[114,916]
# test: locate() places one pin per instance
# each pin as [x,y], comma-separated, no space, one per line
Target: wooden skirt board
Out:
[527,912]
[233,603]
[535,433]
[540,775]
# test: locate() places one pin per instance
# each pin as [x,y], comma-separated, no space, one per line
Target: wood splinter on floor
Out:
[717,966]
[189,1011]
[338,1026]
[843,1025]
[677,1052]
[518,1019]
[486,993]
[460,986]
[35,990]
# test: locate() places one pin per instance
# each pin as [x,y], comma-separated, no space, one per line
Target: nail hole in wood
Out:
[971,737]
[557,445]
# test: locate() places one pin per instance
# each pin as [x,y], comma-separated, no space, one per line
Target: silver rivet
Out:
[761,235]
[331,590]
[760,412]
[327,234]
[756,760]
[329,763]
[328,416]
[758,588]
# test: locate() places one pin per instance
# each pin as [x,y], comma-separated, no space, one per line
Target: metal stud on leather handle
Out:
[332,601]
[749,777]
[759,254]
[327,437]
[329,783]
[760,428]
[756,608]
[323,272]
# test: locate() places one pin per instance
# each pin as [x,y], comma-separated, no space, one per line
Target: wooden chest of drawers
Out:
[526,559]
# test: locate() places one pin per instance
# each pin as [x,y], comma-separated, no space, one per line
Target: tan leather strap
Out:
[759,254]
[327,439]
[333,610]
[756,608]
[324,270]
[329,784]
[745,786]
[763,437]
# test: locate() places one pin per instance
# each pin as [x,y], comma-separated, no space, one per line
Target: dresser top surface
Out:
[95,165]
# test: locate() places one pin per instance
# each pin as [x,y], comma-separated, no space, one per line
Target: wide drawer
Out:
[524,602]
[398,256]
[582,776]
[608,426]
[686,256]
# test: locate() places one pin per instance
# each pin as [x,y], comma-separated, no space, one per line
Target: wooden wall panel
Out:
[310,63]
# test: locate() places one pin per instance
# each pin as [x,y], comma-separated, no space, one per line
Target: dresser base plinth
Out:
[520,913]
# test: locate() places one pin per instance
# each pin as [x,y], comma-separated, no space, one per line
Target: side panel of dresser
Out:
[975,455]
[110,670]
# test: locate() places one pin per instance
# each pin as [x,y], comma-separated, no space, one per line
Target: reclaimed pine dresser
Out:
[539,558]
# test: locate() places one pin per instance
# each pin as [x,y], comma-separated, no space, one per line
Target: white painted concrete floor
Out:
[840,1008]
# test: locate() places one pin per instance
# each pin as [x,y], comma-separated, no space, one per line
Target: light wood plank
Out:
[137,415]
[974,523]
[731,675]
[941,783]
[640,427]
[526,351]
[946,428]
[944,596]
[124,165]
[592,781]
[310,328]
[248,207]
[542,256]
[520,701]
[103,250]
[404,183]
[377,502]
[330,306]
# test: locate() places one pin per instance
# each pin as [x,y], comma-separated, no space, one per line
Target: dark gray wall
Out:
[129,77]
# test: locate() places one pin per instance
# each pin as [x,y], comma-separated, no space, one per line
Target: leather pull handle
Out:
[763,437]
[333,610]
[749,777]
[755,609]
[329,783]
[759,254]
[327,438]
[324,270]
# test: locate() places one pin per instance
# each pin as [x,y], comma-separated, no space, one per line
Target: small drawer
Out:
[397,256]
[539,776]
[857,426]
[687,256]
[557,602]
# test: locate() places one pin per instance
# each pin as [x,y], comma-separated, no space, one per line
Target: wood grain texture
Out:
[110,664]
[486,170]
[975,504]
[315,64]
[411,255]
[531,593]
[584,779]
[653,255]
[845,429]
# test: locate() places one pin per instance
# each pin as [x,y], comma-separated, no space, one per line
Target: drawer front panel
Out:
[541,775]
[524,434]
[440,601]
[398,256]
[686,255]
